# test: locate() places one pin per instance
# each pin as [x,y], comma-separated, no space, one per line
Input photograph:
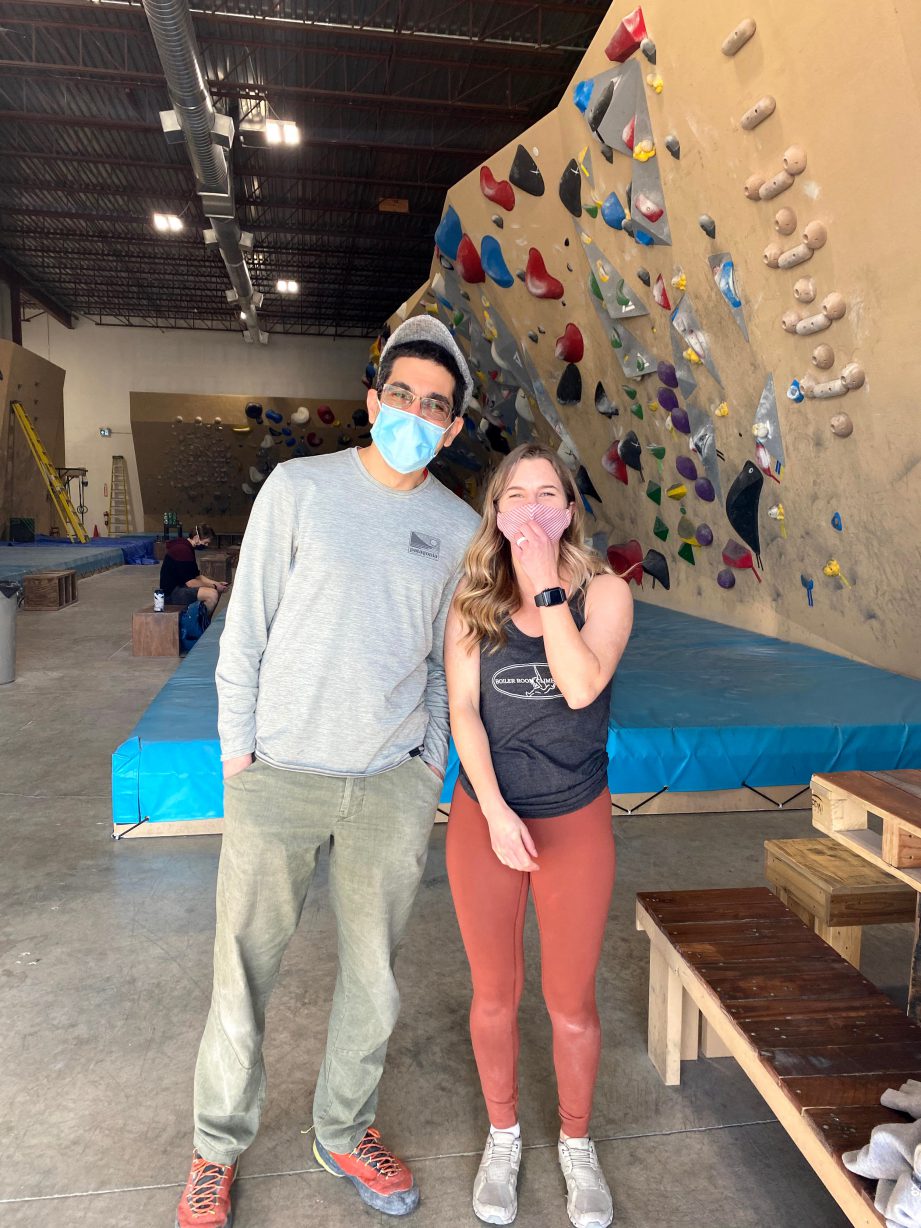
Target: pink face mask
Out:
[553,520]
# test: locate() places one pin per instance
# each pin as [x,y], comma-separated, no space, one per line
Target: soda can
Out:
[159,601]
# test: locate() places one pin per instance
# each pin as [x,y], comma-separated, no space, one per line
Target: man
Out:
[334,730]
[179,576]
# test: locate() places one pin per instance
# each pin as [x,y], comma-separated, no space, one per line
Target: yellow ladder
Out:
[119,512]
[55,487]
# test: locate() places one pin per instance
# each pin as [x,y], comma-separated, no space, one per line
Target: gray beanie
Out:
[428,328]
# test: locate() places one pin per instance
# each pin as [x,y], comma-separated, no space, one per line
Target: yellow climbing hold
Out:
[777,513]
[490,332]
[680,281]
[722,410]
[644,150]
[691,355]
[582,157]
[653,406]
[432,309]
[677,491]
[655,81]
[604,274]
[832,569]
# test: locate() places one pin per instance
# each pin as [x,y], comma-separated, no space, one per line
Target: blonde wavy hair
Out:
[488,594]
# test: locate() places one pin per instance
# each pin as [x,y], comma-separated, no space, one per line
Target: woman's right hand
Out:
[511,841]
[233,767]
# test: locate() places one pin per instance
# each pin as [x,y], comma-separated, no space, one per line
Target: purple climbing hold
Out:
[705,535]
[667,374]
[686,468]
[726,579]
[703,488]
[667,399]
[681,422]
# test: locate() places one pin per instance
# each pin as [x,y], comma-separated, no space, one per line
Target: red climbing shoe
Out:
[205,1201]
[382,1181]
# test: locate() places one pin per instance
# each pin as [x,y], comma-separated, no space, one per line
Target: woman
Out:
[535,633]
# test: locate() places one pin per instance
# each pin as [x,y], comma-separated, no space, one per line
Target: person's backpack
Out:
[193,623]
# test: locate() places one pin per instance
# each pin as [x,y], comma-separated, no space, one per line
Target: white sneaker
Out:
[588,1199]
[495,1190]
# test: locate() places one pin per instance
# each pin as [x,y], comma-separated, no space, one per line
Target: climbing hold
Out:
[654,492]
[804,289]
[628,135]
[492,262]
[613,463]
[772,253]
[794,160]
[253,410]
[775,185]
[627,38]
[704,535]
[582,94]
[524,173]
[726,579]
[660,529]
[680,421]
[823,357]
[832,569]
[785,221]
[808,584]
[758,113]
[646,207]
[742,503]
[723,270]
[794,256]
[752,186]
[686,552]
[449,233]
[815,235]
[703,488]
[842,426]
[673,145]
[613,212]
[677,492]
[644,276]
[795,392]
[667,399]
[569,389]
[836,522]
[648,48]
[776,512]
[655,565]
[626,558]
[247,489]
[539,282]
[326,415]
[655,82]
[468,261]
[532,335]
[272,414]
[707,225]
[360,418]
[607,152]
[603,403]
[739,37]
[644,150]
[852,376]
[738,556]
[667,375]
[631,453]
[660,294]
[637,411]
[790,320]
[571,188]
[497,221]
[834,307]
[570,348]
[499,191]
[686,468]
[314,440]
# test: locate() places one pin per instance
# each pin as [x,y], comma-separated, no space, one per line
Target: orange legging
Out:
[572,894]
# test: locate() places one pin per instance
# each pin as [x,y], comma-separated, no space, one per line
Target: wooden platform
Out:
[215,565]
[734,972]
[843,802]
[155,633]
[49,590]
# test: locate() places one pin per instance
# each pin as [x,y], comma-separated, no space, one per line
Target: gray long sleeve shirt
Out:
[331,658]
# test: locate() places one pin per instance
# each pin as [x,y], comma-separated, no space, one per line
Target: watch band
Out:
[551,596]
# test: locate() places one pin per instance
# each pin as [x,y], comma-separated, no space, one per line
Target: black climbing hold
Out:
[603,402]
[497,221]
[520,274]
[571,188]
[631,452]
[643,275]
[446,263]
[541,329]
[655,566]
[569,268]
[673,145]
[569,389]
[707,225]
[629,195]
[465,295]
[742,503]
[648,48]
[532,336]
[524,173]
[628,228]
[584,484]
[599,108]
[607,152]
[566,243]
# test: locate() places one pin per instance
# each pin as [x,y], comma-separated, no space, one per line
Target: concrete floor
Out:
[105,953]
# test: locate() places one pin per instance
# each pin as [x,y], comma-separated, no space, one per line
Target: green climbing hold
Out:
[654,492]
[660,529]
[595,288]
[637,410]
[621,295]
[657,450]
[458,317]
[686,552]
[616,343]
[591,210]
[631,392]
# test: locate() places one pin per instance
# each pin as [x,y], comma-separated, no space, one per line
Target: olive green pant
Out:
[275,823]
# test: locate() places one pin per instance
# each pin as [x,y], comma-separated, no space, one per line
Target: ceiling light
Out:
[242,315]
[285,286]
[259,130]
[293,287]
[175,223]
[273,132]
[167,222]
[291,134]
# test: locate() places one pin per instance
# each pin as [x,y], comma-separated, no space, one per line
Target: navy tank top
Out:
[550,759]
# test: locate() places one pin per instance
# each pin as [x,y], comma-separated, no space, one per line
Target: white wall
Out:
[105,365]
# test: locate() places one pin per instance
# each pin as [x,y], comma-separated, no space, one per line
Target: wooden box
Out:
[49,590]
[214,565]
[155,634]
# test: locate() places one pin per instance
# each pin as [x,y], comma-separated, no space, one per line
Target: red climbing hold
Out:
[627,560]
[539,282]
[314,440]
[468,261]
[500,191]
[614,463]
[326,415]
[627,37]
[571,346]
[628,136]
[660,294]
[649,209]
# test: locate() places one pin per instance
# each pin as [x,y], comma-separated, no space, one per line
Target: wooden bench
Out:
[155,633]
[835,891]
[818,1040]
[49,590]
[214,565]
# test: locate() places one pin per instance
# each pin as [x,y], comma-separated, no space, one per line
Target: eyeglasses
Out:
[437,410]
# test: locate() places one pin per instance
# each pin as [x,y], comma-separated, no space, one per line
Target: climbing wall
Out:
[205,457]
[695,278]
[39,386]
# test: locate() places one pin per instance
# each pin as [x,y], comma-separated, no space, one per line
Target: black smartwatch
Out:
[551,596]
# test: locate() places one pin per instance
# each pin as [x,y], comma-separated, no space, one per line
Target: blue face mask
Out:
[406,442]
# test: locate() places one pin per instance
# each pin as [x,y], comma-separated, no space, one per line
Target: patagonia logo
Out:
[533,681]
[422,543]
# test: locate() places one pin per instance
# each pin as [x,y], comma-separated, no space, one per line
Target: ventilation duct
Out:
[208,136]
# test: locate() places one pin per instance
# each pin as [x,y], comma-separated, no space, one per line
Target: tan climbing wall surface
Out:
[702,340]
[39,386]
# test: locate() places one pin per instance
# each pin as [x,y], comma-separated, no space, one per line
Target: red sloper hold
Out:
[627,560]
[628,136]
[571,346]
[500,191]
[613,463]
[660,294]
[468,261]
[538,281]
[627,37]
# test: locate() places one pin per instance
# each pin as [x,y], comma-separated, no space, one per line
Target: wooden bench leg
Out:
[914,979]
[711,1044]
[666,1018]
[844,938]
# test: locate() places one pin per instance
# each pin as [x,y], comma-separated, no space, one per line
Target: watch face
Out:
[551,596]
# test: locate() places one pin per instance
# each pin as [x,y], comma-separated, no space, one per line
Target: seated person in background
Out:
[179,577]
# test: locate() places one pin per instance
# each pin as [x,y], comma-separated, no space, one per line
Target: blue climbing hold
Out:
[286,431]
[449,233]
[582,94]
[727,284]
[836,522]
[290,443]
[643,238]
[273,415]
[613,212]
[493,262]
[795,392]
